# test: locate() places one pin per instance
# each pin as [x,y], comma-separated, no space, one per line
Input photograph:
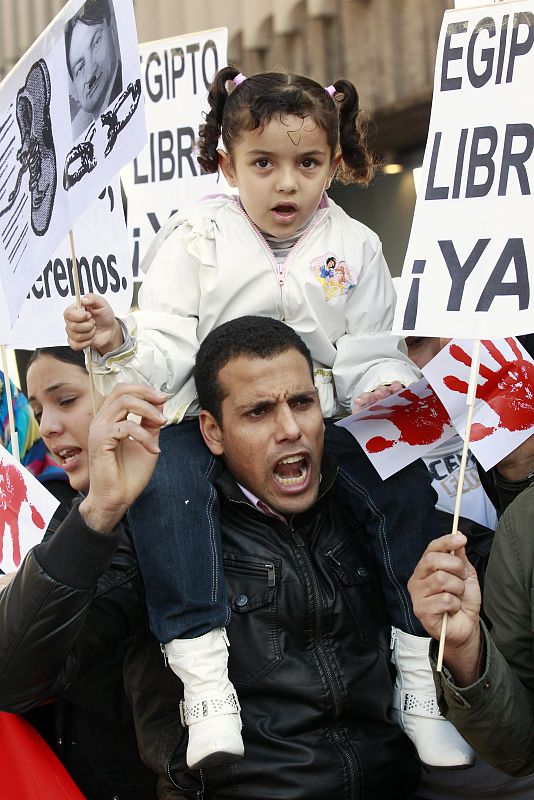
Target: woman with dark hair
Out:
[71,592]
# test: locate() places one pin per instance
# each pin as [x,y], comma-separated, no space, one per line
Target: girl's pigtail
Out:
[210,132]
[358,164]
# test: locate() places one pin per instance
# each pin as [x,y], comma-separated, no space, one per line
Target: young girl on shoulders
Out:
[282,249]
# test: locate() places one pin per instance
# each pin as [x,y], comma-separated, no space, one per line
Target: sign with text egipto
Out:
[176,74]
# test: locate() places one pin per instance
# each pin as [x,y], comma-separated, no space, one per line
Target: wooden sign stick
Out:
[470,402]
[87,350]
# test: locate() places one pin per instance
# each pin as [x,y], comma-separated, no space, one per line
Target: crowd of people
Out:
[214,503]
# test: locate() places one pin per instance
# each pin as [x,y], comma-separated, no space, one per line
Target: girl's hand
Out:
[379,393]
[92,325]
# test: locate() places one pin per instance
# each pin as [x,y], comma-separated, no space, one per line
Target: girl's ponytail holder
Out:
[330,89]
[240,78]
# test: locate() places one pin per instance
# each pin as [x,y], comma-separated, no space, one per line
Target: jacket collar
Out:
[229,487]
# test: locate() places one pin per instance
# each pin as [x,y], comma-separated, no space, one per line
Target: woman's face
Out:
[60,396]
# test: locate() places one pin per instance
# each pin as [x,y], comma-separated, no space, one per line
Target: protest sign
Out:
[104,268]
[26,509]
[470,259]
[503,414]
[416,420]
[176,75]
[71,116]
[401,428]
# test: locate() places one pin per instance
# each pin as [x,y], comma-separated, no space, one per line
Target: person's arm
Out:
[369,355]
[477,690]
[444,582]
[162,342]
[45,611]
[494,713]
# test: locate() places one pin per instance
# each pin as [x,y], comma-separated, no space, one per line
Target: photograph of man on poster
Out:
[93,62]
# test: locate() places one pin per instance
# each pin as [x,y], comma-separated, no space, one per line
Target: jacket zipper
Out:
[280,269]
[321,651]
[253,568]
[299,541]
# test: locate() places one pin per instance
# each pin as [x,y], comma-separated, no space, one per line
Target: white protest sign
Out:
[470,258]
[165,176]
[503,415]
[403,427]
[104,268]
[26,508]
[71,116]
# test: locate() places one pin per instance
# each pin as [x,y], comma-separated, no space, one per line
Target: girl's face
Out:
[281,172]
[60,396]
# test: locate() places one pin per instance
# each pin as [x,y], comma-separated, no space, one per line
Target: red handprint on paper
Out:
[13,494]
[508,390]
[421,422]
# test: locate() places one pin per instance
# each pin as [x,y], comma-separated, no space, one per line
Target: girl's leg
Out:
[175,528]
[176,532]
[400,517]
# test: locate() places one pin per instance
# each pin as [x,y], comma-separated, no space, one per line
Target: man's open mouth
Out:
[292,470]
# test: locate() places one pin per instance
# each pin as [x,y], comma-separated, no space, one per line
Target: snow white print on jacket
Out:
[335,276]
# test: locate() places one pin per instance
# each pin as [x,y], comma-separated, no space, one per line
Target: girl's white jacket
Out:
[209,264]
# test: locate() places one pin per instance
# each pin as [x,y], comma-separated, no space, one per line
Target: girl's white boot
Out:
[414,700]
[210,707]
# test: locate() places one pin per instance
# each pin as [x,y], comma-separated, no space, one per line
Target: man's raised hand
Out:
[122,453]
[444,582]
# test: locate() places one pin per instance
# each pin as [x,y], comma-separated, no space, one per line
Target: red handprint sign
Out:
[508,389]
[421,422]
[13,496]
[401,428]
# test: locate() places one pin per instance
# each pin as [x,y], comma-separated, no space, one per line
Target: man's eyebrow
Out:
[243,407]
[269,401]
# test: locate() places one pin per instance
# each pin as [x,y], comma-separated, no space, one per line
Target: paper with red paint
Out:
[503,415]
[403,427]
[26,509]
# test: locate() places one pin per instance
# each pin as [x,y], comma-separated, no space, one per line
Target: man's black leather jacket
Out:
[309,658]
[309,654]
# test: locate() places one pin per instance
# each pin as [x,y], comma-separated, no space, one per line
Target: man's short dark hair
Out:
[252,337]
[93,12]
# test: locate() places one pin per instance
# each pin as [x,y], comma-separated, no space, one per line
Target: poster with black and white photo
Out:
[176,74]
[71,116]
[469,267]
[104,267]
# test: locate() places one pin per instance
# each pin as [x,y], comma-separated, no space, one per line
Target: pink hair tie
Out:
[331,90]
[239,79]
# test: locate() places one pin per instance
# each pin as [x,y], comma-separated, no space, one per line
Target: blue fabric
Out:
[176,532]
[398,514]
[33,453]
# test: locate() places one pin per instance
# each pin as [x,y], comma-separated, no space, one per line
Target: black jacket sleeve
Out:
[51,610]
